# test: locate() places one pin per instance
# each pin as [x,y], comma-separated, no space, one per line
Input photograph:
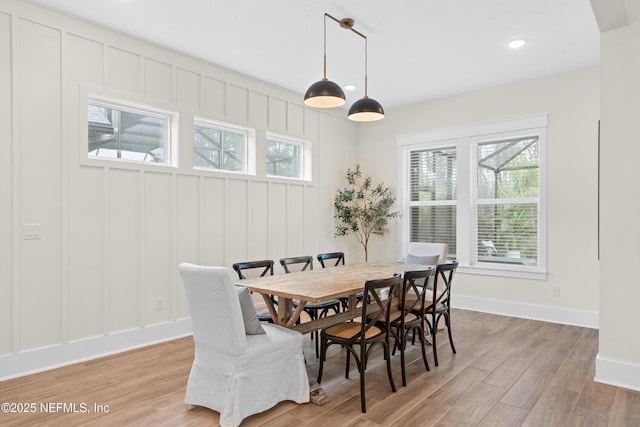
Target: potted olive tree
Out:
[363,208]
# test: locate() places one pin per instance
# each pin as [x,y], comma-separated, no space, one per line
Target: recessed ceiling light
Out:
[349,87]
[517,43]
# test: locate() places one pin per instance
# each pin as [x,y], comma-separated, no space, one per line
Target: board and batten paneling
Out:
[87,253]
[113,233]
[37,84]
[258,226]
[158,242]
[124,249]
[7,226]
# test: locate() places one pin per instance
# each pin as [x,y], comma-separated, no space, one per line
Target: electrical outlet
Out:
[161,303]
[555,290]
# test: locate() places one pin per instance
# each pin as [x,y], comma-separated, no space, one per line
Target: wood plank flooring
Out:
[507,372]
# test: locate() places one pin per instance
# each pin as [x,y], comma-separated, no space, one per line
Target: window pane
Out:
[509,169]
[432,181]
[434,224]
[433,174]
[283,159]
[508,233]
[215,148]
[125,135]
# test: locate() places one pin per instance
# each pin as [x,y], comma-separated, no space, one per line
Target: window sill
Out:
[521,272]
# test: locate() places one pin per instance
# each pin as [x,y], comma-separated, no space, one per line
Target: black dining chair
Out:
[315,310]
[438,304]
[359,337]
[336,258]
[409,315]
[261,267]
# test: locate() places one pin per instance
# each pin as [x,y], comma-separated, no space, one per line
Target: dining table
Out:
[296,289]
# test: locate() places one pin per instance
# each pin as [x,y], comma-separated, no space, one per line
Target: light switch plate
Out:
[31,231]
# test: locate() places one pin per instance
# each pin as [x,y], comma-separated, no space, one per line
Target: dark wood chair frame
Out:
[338,256]
[315,310]
[267,266]
[440,306]
[358,344]
[410,318]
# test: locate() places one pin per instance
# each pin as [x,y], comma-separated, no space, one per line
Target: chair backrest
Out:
[427,249]
[266,265]
[414,288]
[378,309]
[216,316]
[337,256]
[442,284]
[306,261]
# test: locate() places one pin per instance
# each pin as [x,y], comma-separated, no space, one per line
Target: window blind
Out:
[432,182]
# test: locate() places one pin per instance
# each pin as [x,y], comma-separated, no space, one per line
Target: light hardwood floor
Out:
[507,372]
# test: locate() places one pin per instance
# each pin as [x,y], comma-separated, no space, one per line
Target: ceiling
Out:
[417,49]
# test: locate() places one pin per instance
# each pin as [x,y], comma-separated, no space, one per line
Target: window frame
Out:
[248,161]
[170,132]
[466,140]
[304,157]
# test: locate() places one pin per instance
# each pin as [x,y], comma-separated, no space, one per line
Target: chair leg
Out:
[447,318]
[346,371]
[361,364]
[386,351]
[434,333]
[403,344]
[362,398]
[424,344]
[323,356]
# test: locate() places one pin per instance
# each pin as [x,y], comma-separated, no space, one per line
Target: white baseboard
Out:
[42,359]
[587,319]
[619,374]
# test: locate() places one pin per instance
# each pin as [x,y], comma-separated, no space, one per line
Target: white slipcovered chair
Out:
[425,251]
[233,373]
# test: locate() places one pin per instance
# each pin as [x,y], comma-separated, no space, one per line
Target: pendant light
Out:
[324,93]
[365,109]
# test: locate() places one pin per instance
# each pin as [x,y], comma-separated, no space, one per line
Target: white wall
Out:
[571,101]
[619,357]
[114,234]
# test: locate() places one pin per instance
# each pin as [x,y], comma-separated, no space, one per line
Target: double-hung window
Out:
[480,189]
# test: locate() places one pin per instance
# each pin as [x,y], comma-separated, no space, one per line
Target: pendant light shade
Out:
[324,94]
[366,110]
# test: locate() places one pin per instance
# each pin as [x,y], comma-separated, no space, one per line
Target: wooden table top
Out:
[324,284]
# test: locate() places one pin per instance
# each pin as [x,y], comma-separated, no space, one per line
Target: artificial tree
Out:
[363,208]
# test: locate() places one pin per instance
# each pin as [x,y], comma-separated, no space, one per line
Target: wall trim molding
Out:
[616,373]
[43,359]
[587,319]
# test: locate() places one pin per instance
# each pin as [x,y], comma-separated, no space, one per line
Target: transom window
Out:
[219,147]
[119,131]
[287,158]
[480,190]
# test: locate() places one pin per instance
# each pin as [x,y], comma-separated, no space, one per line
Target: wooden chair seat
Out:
[348,330]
